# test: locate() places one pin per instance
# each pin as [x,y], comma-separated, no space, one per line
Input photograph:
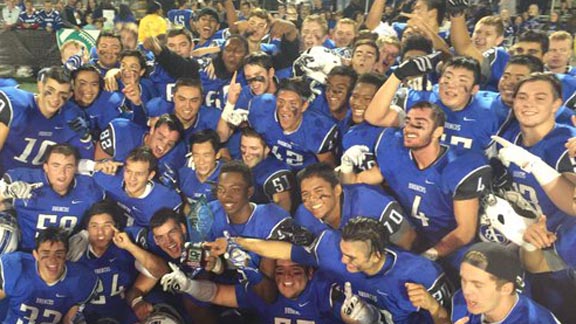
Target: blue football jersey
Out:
[385,289]
[468,129]
[117,273]
[271,176]
[216,90]
[262,224]
[207,118]
[122,136]
[138,210]
[30,133]
[317,134]
[359,200]
[34,301]
[25,18]
[107,106]
[497,58]
[181,17]
[552,151]
[51,19]
[312,306]
[525,310]
[47,208]
[429,194]
[163,82]
[362,134]
[193,188]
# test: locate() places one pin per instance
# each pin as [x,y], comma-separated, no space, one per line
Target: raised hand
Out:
[417,66]
[356,310]
[353,157]
[19,189]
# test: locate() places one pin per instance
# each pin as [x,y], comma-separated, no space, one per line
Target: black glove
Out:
[457,7]
[81,126]
[417,66]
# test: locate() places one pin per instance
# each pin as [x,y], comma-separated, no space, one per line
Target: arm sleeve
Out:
[280,181]
[474,183]
[108,140]
[177,66]
[6,112]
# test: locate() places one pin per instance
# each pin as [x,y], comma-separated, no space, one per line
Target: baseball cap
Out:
[500,261]
[209,11]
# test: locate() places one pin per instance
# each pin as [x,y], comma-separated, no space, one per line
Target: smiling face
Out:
[507,84]
[358,256]
[253,150]
[456,87]
[131,70]
[360,99]
[51,260]
[312,34]
[290,109]
[233,55]
[337,87]
[535,106]
[291,278]
[205,158]
[233,193]
[136,177]
[108,49]
[52,96]
[344,34]
[86,87]
[419,130]
[207,25]
[485,37]
[170,237]
[187,101]
[258,78]
[161,140]
[321,199]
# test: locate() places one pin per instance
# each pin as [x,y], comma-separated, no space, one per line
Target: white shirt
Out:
[10,17]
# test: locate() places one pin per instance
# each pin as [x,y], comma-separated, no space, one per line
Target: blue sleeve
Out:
[302,255]
[11,267]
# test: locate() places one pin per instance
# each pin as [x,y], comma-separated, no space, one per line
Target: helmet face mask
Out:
[9,233]
[164,314]
[504,217]
[315,63]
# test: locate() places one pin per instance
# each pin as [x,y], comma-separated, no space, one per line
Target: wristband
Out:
[543,173]
[136,301]
[431,254]
[86,166]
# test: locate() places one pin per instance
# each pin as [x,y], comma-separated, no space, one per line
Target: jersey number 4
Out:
[418,214]
[100,298]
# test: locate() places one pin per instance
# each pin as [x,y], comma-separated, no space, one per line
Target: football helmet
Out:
[315,63]
[504,217]
[164,314]
[9,233]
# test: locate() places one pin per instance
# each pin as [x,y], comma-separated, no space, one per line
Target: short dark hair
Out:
[88,67]
[239,38]
[176,31]
[372,78]
[143,154]
[532,36]
[548,77]
[319,170]
[251,132]
[162,215]
[467,63]
[102,207]
[438,115]
[259,58]
[56,73]
[533,63]
[440,6]
[173,123]
[188,82]
[153,7]
[53,235]
[109,34]
[295,84]
[64,149]
[416,42]
[346,71]
[240,168]
[365,229]
[206,135]
[134,53]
